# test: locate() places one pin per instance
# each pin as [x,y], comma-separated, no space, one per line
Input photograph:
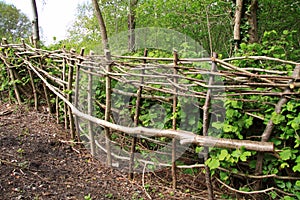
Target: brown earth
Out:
[38,161]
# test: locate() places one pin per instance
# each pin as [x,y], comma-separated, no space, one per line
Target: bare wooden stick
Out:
[174,112]
[69,97]
[64,90]
[136,122]
[261,58]
[57,109]
[108,108]
[90,110]
[206,108]
[76,95]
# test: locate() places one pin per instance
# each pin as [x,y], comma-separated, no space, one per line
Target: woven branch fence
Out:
[73,80]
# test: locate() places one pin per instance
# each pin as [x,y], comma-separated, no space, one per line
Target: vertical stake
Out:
[90,111]
[174,178]
[206,108]
[108,107]
[69,96]
[64,89]
[136,119]
[76,97]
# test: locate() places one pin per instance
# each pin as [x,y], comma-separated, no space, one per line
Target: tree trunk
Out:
[237,22]
[35,24]
[131,25]
[101,24]
[252,19]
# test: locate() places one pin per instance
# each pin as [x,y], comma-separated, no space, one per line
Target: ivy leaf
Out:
[227,128]
[277,118]
[296,123]
[237,104]
[199,149]
[224,154]
[212,163]
[244,156]
[290,106]
[248,122]
[237,153]
[224,176]
[283,165]
[285,154]
[296,168]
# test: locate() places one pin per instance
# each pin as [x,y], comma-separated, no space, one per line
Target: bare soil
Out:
[39,161]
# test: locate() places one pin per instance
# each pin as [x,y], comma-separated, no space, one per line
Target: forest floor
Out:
[39,161]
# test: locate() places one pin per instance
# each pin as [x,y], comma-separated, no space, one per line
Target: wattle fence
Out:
[122,106]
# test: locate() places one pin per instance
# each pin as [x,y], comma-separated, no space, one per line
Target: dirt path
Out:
[37,162]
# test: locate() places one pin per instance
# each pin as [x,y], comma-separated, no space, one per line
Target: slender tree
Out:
[252,19]
[131,25]
[35,24]
[101,24]
[237,23]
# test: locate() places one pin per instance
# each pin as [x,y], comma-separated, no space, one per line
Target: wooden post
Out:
[175,100]
[108,107]
[136,120]
[90,111]
[76,119]
[206,108]
[69,97]
[57,109]
[64,90]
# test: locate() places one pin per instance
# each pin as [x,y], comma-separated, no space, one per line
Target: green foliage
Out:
[13,24]
[240,125]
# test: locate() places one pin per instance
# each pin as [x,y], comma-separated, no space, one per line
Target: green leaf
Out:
[199,149]
[296,168]
[296,123]
[290,106]
[273,194]
[227,128]
[285,32]
[244,156]
[243,46]
[237,104]
[224,154]
[285,154]
[223,176]
[283,165]
[212,163]
[277,118]
[237,153]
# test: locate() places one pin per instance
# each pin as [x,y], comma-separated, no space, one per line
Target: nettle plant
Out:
[284,163]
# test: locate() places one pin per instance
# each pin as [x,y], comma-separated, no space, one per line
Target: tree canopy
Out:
[210,23]
[13,23]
